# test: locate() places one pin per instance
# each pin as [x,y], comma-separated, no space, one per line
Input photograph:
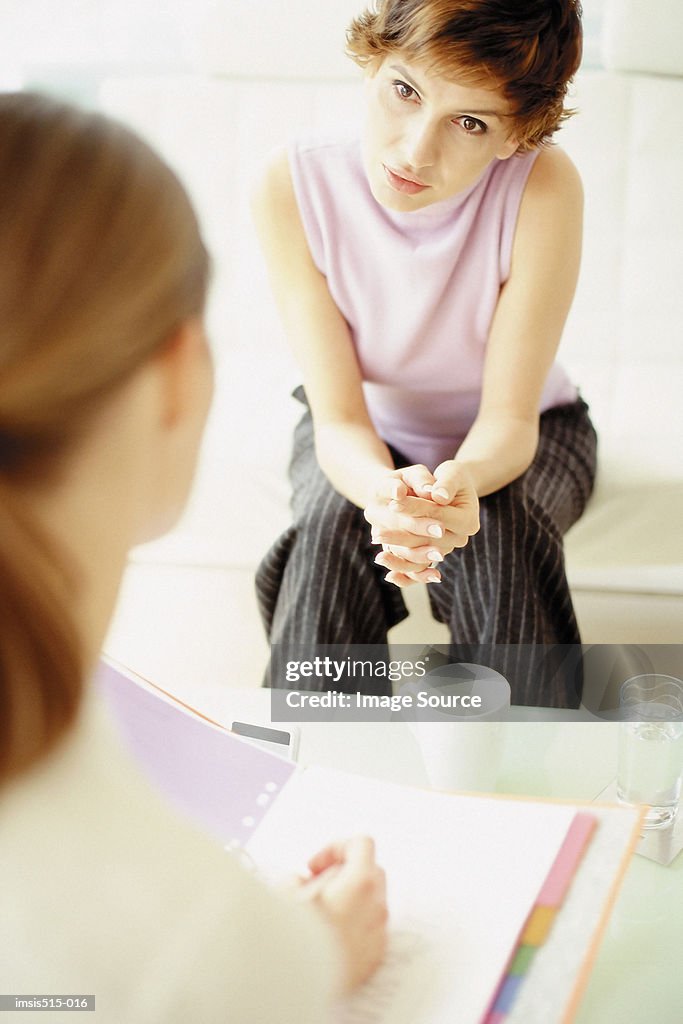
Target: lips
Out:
[408,186]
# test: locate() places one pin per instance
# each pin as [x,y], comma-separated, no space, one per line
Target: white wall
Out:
[69,46]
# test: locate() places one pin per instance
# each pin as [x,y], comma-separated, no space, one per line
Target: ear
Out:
[178,381]
[509,147]
[183,364]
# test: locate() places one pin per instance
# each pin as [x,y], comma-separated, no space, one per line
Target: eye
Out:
[471,125]
[403,90]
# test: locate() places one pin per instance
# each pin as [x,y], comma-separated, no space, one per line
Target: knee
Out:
[513,516]
[331,520]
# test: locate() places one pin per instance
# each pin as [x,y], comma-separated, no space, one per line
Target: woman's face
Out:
[427,137]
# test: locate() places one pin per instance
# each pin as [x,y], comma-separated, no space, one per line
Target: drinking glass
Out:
[651,746]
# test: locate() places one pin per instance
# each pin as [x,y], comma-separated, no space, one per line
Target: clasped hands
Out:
[420,517]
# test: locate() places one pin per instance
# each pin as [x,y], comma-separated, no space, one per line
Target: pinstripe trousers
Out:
[506,589]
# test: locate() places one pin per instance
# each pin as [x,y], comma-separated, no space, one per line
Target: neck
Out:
[79,524]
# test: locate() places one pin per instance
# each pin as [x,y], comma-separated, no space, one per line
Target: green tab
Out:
[522,961]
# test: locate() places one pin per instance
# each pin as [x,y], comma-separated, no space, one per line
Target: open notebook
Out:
[496,903]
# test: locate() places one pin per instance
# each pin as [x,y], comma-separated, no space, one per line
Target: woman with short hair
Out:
[424,273]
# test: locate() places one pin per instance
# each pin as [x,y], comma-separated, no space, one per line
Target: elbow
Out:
[527,444]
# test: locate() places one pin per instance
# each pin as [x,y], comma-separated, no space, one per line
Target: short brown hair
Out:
[101,261]
[530,50]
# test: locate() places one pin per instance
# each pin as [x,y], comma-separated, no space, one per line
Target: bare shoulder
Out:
[554,180]
[551,212]
[272,195]
[276,216]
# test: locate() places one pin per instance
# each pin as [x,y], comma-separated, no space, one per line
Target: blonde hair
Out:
[101,259]
[530,50]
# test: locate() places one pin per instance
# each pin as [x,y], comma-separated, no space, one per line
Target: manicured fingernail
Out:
[435,556]
[394,504]
[433,577]
[441,492]
[427,487]
[435,531]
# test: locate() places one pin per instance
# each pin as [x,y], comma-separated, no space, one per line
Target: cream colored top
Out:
[106,892]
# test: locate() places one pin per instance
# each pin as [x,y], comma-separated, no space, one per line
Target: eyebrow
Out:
[484,113]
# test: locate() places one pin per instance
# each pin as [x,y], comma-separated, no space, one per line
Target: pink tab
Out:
[565,864]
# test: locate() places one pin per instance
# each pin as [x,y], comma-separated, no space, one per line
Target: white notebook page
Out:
[462,875]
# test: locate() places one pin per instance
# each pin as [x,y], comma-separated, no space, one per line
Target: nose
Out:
[420,146]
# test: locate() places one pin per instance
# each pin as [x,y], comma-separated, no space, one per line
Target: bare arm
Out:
[527,325]
[349,450]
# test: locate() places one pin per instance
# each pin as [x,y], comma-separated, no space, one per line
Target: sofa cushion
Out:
[622,340]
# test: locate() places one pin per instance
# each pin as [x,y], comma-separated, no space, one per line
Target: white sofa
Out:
[188,608]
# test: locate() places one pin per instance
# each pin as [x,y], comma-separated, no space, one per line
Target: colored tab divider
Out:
[543,913]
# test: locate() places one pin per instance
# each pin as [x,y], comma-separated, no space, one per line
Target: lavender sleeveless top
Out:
[418,291]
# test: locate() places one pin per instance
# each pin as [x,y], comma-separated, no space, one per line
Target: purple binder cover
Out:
[223,783]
